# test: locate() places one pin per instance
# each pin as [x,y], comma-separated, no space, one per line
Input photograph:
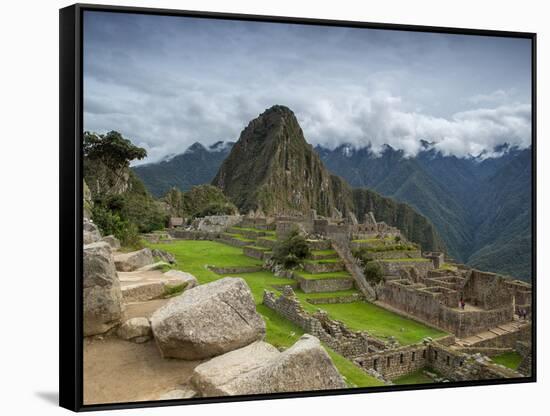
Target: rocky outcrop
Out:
[140,286]
[137,330]
[163,256]
[127,262]
[178,394]
[215,223]
[91,233]
[112,241]
[261,369]
[208,320]
[187,278]
[102,305]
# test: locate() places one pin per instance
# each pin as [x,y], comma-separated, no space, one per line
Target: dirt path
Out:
[121,371]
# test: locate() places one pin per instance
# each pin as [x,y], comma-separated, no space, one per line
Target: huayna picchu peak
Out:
[273,169]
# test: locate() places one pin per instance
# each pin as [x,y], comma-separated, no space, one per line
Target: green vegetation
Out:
[199,201]
[364,316]
[324,261]
[416,377]
[170,291]
[323,252]
[416,260]
[318,276]
[373,272]
[291,250]
[508,359]
[120,203]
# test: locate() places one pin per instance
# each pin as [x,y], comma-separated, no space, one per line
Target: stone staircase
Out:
[492,334]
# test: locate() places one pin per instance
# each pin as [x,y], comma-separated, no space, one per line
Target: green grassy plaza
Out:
[508,359]
[194,257]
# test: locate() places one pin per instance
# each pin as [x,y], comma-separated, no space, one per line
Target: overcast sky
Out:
[166,82]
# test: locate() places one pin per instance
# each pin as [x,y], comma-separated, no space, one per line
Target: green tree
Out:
[291,250]
[107,160]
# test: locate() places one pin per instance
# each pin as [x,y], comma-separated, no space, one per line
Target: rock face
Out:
[139,286]
[127,262]
[208,320]
[261,369]
[91,232]
[136,329]
[164,256]
[112,241]
[187,278]
[102,304]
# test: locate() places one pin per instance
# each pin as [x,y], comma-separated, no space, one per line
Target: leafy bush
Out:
[216,208]
[290,251]
[363,255]
[110,222]
[373,272]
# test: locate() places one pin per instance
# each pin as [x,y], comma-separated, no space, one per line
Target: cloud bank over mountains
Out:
[167,82]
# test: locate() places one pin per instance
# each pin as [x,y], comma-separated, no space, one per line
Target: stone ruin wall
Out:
[334,333]
[486,290]
[451,364]
[437,305]
[397,362]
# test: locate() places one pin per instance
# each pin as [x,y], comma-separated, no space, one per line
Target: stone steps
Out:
[232,240]
[492,333]
[323,282]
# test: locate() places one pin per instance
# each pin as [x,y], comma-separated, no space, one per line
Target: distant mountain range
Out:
[481,207]
[196,166]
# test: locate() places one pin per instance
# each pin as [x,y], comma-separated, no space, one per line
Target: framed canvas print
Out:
[256,207]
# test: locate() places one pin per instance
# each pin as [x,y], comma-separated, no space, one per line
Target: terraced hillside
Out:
[323,283]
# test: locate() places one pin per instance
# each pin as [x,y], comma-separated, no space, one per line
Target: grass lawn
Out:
[508,359]
[417,377]
[323,252]
[193,256]
[324,261]
[417,260]
[319,276]
[364,316]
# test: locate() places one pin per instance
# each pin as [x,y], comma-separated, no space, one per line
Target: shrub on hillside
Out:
[217,208]
[291,251]
[373,272]
[110,223]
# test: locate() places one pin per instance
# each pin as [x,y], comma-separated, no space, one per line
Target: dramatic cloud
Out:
[166,82]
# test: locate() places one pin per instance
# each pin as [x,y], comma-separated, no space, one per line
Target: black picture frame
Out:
[71,205]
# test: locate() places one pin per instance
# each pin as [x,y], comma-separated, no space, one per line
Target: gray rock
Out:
[305,366]
[164,256]
[210,377]
[178,394]
[102,297]
[135,329]
[127,262]
[91,233]
[187,278]
[112,241]
[208,320]
[154,266]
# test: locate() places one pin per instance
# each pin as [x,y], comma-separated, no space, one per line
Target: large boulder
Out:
[187,278]
[164,256]
[127,262]
[91,233]
[208,320]
[102,303]
[209,378]
[261,369]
